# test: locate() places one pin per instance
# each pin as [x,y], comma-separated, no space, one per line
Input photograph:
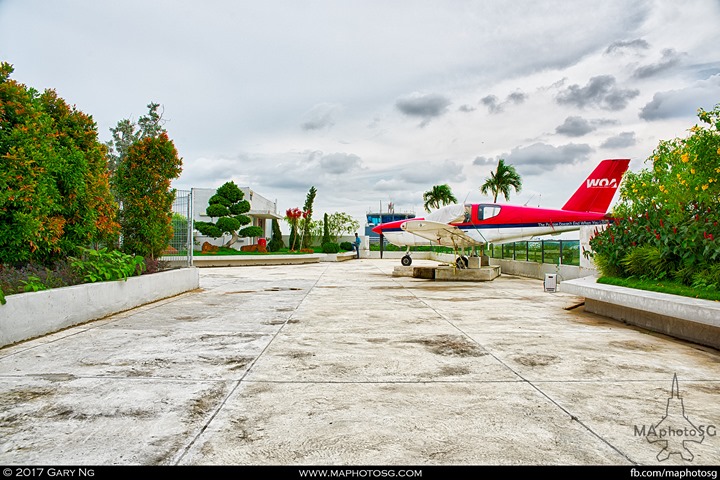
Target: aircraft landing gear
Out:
[406,260]
[462,262]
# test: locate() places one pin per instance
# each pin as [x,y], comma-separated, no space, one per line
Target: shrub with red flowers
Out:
[668,219]
[292,216]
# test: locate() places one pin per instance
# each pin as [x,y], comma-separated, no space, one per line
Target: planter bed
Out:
[690,319]
[29,315]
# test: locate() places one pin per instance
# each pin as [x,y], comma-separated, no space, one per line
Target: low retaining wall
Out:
[337,257]
[538,270]
[247,260]
[32,314]
[687,318]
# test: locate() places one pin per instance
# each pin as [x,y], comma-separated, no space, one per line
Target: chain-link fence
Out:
[565,252]
[180,250]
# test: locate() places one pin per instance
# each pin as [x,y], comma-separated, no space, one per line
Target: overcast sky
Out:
[377,101]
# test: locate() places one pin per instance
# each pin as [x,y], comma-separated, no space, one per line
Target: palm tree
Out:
[439,195]
[501,180]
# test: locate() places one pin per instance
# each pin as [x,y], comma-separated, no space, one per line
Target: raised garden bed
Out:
[690,319]
[29,315]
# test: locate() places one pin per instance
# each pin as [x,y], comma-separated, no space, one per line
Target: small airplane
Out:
[476,225]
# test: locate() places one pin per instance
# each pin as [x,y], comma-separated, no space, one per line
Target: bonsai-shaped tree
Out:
[228,206]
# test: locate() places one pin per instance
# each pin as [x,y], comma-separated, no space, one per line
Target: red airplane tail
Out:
[596,193]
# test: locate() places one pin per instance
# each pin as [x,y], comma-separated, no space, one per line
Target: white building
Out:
[262,211]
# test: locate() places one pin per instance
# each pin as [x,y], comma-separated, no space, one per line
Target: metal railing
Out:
[565,252]
[180,249]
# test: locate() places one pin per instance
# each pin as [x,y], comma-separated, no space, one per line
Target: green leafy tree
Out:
[501,181]
[54,191]
[143,180]
[307,217]
[127,133]
[276,242]
[438,196]
[667,222]
[340,223]
[229,207]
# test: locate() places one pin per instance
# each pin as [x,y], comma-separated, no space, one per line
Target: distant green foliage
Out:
[340,223]
[330,247]
[180,230]
[347,246]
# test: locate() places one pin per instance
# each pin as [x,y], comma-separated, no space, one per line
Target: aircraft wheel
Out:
[406,260]
[462,262]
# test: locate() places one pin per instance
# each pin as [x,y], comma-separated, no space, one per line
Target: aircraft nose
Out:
[377,229]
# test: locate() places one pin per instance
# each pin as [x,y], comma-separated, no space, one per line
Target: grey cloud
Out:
[338,163]
[517,97]
[432,173]
[466,108]
[319,117]
[425,106]
[669,59]
[636,44]
[600,91]
[541,157]
[491,101]
[685,102]
[496,106]
[483,160]
[622,140]
[575,127]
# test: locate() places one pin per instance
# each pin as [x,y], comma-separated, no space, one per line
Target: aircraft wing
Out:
[441,233]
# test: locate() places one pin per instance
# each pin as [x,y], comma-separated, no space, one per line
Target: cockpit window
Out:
[490,211]
[487,211]
[468,211]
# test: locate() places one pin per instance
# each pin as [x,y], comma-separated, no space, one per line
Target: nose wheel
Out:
[406,260]
[462,262]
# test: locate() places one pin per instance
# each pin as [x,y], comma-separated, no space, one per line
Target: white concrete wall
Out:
[33,314]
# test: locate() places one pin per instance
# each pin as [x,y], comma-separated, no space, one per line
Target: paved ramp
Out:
[344,364]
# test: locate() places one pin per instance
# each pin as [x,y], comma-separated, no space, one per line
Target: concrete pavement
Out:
[343,364]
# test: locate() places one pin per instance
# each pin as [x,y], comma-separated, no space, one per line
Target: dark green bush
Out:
[347,246]
[330,247]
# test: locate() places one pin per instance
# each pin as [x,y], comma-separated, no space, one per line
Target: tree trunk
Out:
[232,240]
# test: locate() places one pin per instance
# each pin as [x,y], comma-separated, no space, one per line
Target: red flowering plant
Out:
[668,218]
[292,216]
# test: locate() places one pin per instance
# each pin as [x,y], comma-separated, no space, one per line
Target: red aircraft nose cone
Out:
[377,229]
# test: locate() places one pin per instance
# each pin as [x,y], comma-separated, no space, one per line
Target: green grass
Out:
[664,286]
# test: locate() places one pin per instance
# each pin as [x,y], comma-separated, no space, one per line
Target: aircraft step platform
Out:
[449,273]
